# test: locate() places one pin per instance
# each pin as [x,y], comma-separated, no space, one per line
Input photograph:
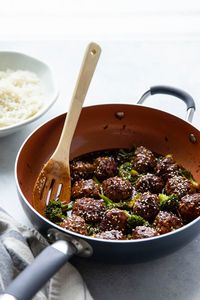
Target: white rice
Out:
[21,96]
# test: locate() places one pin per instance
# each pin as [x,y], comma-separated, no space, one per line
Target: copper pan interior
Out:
[106,127]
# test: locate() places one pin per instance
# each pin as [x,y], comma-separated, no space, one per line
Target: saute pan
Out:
[102,127]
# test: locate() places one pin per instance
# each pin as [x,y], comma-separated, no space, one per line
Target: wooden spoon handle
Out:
[88,67]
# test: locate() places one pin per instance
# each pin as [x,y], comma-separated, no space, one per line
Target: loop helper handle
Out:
[169,90]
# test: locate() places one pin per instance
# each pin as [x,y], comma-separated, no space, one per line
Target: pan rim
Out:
[77,235]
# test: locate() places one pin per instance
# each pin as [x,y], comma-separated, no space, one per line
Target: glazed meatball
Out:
[166,168]
[81,170]
[75,223]
[117,189]
[179,186]
[149,183]
[110,235]
[85,188]
[147,206]
[143,232]
[114,219]
[105,167]
[90,209]
[166,222]
[189,207]
[144,160]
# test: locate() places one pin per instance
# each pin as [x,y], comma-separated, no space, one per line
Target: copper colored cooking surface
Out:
[111,126]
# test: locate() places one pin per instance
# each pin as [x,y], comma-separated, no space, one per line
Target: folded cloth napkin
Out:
[18,247]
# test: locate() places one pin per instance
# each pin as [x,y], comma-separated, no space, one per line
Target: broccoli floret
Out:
[188,175]
[125,155]
[92,229]
[168,203]
[110,204]
[131,203]
[135,220]
[96,180]
[121,205]
[126,172]
[56,210]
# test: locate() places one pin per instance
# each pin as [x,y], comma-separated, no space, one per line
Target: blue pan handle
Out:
[178,93]
[45,265]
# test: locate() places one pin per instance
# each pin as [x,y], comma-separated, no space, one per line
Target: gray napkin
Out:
[18,247]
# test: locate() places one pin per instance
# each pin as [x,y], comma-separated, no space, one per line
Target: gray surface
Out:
[125,71]
[172,277]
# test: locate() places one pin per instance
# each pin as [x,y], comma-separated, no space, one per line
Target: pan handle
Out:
[45,265]
[169,90]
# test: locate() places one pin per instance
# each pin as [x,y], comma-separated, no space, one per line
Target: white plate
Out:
[19,61]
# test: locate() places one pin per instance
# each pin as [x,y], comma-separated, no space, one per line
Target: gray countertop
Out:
[125,71]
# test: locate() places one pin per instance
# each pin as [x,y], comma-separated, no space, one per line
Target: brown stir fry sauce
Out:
[127,194]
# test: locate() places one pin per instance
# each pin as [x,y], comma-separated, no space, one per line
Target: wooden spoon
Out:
[54,179]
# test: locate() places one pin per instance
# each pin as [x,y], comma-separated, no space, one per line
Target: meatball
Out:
[179,186]
[166,168]
[117,189]
[147,206]
[85,188]
[105,167]
[110,235]
[144,160]
[149,183]
[114,219]
[189,207]
[88,208]
[75,223]
[166,222]
[81,170]
[142,232]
